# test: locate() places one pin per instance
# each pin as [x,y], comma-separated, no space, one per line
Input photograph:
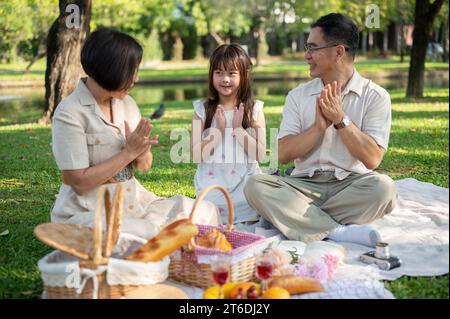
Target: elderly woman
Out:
[99,138]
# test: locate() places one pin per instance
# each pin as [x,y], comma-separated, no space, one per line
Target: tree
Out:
[371,16]
[260,12]
[402,16]
[42,16]
[306,12]
[170,18]
[25,37]
[441,24]
[224,19]
[13,27]
[260,26]
[425,13]
[123,15]
[64,42]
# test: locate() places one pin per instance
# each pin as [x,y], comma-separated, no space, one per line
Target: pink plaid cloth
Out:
[239,240]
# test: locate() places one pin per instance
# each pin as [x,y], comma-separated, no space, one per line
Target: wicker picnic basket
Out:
[191,264]
[86,267]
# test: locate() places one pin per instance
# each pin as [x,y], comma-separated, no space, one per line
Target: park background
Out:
[403,47]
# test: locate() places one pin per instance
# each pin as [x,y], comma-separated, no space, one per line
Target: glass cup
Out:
[220,268]
[264,269]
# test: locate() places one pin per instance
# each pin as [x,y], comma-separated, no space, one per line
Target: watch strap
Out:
[342,124]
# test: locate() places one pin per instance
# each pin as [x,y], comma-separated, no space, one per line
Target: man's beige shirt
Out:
[367,104]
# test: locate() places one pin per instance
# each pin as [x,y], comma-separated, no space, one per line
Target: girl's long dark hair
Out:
[230,57]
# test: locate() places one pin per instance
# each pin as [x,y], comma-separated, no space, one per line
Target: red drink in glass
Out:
[264,270]
[220,276]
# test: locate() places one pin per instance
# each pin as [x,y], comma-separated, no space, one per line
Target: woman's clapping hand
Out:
[139,141]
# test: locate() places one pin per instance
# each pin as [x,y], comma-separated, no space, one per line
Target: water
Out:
[15,101]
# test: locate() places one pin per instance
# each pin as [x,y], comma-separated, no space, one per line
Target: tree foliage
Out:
[185,23]
[24,25]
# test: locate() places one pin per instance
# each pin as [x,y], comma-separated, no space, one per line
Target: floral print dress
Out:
[230,167]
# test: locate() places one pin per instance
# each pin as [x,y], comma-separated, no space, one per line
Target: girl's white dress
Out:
[228,166]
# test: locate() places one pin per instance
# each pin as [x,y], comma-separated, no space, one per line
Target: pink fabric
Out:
[322,269]
[240,241]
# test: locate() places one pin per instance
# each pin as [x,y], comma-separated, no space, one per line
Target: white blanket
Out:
[417,232]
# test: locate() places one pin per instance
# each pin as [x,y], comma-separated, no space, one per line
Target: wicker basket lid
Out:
[84,242]
[158,291]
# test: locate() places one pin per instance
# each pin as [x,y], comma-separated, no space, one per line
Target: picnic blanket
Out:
[417,232]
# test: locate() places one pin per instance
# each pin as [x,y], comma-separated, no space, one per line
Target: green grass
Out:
[29,179]
[170,70]
[14,71]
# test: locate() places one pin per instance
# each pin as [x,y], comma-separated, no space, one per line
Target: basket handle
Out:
[113,216]
[114,219]
[227,197]
[109,218]
[98,227]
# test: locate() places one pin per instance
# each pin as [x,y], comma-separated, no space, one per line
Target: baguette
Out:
[167,241]
[296,284]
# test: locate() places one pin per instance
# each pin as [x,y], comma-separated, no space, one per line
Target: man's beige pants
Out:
[309,208]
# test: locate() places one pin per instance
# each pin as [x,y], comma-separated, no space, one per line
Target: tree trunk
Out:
[302,41]
[445,41]
[177,47]
[364,43]
[397,37]
[42,52]
[260,51]
[179,95]
[211,32]
[423,20]
[370,41]
[402,44]
[65,39]
[217,37]
[167,42]
[385,42]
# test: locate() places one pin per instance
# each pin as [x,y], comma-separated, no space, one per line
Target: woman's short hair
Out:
[111,58]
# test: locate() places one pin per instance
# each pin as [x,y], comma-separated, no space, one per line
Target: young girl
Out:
[228,132]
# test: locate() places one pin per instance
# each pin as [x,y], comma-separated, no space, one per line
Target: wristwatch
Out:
[344,123]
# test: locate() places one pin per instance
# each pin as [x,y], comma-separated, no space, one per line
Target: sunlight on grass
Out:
[23,127]
[30,179]
[434,92]
[11,183]
[192,70]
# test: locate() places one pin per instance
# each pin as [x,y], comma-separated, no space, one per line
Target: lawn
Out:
[29,180]
[198,70]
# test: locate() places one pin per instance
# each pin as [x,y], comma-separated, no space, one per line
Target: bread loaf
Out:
[214,239]
[296,284]
[167,241]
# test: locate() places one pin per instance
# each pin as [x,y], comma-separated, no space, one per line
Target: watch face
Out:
[346,121]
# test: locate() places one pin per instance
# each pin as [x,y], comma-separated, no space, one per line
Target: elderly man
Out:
[336,129]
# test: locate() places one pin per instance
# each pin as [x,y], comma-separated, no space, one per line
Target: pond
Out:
[14,101]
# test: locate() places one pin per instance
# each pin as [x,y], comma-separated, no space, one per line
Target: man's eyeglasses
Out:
[311,48]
